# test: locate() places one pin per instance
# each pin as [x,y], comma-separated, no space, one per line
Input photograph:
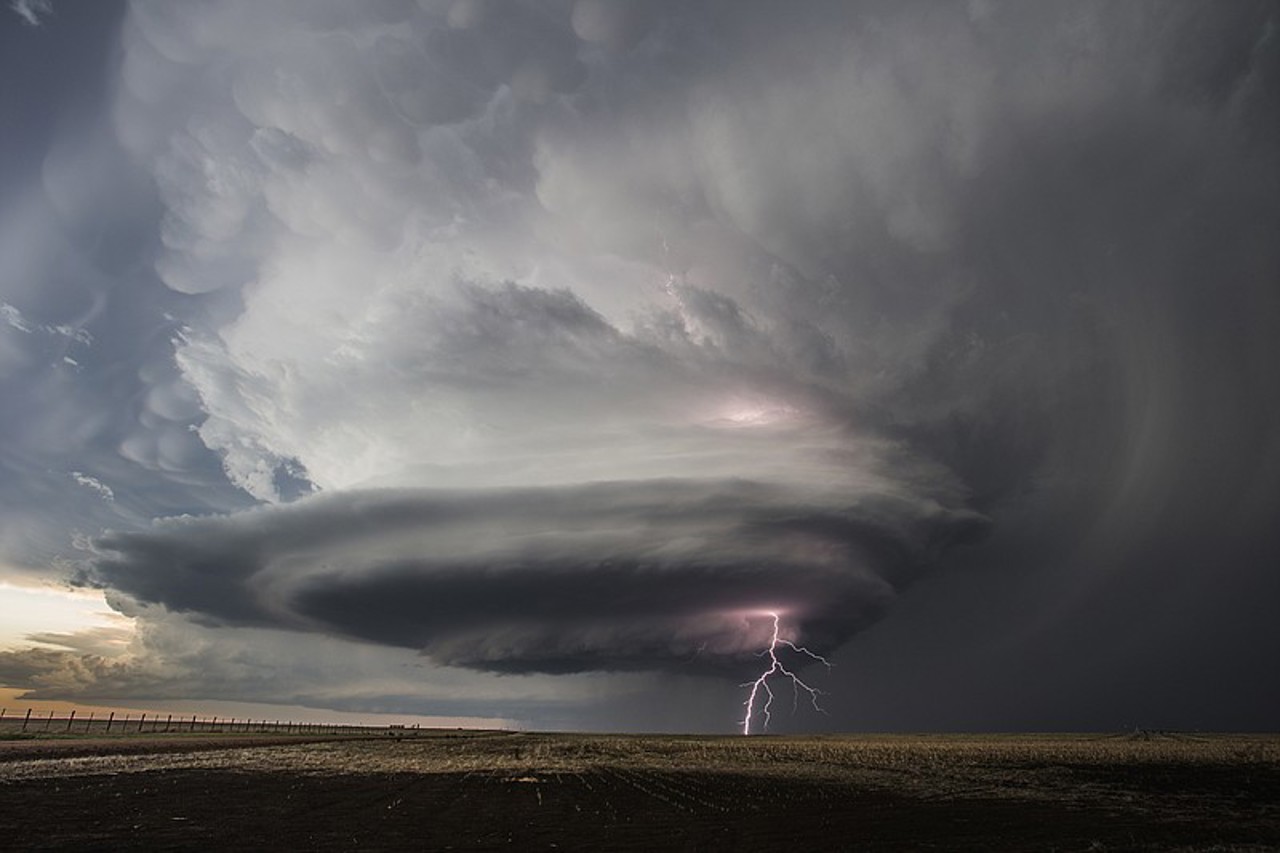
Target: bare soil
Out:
[512,791]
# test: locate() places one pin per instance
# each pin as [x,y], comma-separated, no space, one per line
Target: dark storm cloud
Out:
[594,322]
[634,575]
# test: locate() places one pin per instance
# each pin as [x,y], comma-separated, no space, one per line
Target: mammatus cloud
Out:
[567,336]
[32,12]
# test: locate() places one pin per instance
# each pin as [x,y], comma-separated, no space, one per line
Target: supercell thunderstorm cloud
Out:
[553,360]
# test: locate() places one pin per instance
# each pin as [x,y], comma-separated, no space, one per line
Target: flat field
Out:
[522,791]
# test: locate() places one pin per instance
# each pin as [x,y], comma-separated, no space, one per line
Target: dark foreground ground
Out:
[504,791]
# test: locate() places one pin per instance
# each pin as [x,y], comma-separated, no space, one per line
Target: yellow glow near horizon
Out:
[33,610]
[14,704]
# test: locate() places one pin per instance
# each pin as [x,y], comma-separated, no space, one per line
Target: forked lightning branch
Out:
[778,668]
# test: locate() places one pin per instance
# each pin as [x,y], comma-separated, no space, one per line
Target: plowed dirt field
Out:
[514,791]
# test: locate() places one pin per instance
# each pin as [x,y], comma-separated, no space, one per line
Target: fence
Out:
[162,723]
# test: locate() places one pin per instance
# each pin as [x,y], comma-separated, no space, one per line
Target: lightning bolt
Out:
[776,667]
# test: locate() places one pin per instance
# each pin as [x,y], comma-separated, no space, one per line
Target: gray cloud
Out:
[169,660]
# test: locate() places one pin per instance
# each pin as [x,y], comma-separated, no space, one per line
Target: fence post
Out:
[26,720]
[167,722]
[49,721]
[110,719]
[141,720]
[88,723]
[71,718]
[193,722]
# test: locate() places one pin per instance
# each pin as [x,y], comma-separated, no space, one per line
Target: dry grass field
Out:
[516,791]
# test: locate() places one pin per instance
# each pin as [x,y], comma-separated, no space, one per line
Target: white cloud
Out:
[32,11]
[14,318]
[95,484]
[375,254]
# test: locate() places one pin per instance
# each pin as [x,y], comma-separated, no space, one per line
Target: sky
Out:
[517,363]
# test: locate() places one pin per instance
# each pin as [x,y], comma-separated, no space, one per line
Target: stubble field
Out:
[519,791]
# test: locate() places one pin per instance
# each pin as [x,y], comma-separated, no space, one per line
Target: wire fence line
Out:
[112,723]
